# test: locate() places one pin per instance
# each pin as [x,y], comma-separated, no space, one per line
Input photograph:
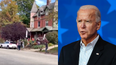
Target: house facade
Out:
[39,24]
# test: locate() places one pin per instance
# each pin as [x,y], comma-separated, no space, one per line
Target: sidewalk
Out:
[51,47]
[42,49]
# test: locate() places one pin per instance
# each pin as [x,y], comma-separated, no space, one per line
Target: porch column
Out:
[30,35]
[36,35]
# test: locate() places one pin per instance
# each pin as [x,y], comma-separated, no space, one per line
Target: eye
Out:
[87,21]
[79,20]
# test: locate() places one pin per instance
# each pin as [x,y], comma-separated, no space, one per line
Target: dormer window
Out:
[46,13]
[56,8]
[41,12]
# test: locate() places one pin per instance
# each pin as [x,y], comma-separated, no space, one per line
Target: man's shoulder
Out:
[71,45]
[110,46]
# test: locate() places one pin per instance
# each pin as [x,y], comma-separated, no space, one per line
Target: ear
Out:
[98,25]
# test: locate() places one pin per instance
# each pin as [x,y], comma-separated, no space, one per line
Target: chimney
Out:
[48,2]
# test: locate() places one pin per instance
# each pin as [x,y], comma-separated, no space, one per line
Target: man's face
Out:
[86,23]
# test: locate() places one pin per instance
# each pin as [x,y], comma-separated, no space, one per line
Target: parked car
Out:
[8,44]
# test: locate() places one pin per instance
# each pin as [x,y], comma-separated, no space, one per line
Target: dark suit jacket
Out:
[107,54]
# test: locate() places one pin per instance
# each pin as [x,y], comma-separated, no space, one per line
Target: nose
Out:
[83,25]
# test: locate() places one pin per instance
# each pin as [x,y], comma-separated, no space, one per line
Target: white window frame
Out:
[46,23]
[38,23]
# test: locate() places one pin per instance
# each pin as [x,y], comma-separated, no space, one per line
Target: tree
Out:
[13,31]
[53,15]
[24,8]
[52,37]
[8,13]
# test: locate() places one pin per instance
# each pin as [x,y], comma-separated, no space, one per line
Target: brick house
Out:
[38,23]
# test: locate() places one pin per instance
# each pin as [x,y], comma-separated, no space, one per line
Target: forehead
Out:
[86,12]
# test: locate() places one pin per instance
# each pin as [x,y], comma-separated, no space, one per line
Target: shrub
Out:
[25,42]
[2,40]
[52,37]
[35,47]
[50,44]
[38,46]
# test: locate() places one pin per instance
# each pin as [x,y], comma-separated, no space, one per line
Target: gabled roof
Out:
[51,5]
[35,15]
[48,27]
[29,29]
[34,29]
[34,8]
[42,8]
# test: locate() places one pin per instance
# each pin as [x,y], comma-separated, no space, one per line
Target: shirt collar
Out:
[92,43]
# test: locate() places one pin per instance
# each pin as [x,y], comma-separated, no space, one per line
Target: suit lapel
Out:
[75,54]
[97,52]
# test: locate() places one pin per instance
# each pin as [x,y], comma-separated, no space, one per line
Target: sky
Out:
[42,2]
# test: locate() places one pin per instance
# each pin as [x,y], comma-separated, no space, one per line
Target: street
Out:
[15,57]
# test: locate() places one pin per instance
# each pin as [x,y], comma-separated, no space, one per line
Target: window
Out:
[41,12]
[56,8]
[46,13]
[32,24]
[38,23]
[46,23]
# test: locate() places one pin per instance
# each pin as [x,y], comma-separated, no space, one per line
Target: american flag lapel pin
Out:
[97,53]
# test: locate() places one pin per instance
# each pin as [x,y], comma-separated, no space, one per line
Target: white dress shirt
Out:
[85,51]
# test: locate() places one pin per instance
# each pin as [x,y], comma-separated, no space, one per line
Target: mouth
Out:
[82,32]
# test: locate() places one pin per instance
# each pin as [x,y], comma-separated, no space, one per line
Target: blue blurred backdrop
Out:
[67,26]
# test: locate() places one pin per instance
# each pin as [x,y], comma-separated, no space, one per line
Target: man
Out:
[19,44]
[91,49]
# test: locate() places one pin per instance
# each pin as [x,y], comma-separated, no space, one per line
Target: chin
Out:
[83,37]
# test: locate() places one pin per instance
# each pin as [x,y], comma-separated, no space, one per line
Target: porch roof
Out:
[41,29]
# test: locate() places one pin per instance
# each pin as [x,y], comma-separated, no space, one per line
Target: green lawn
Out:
[51,51]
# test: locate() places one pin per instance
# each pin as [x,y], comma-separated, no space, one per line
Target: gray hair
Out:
[97,12]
